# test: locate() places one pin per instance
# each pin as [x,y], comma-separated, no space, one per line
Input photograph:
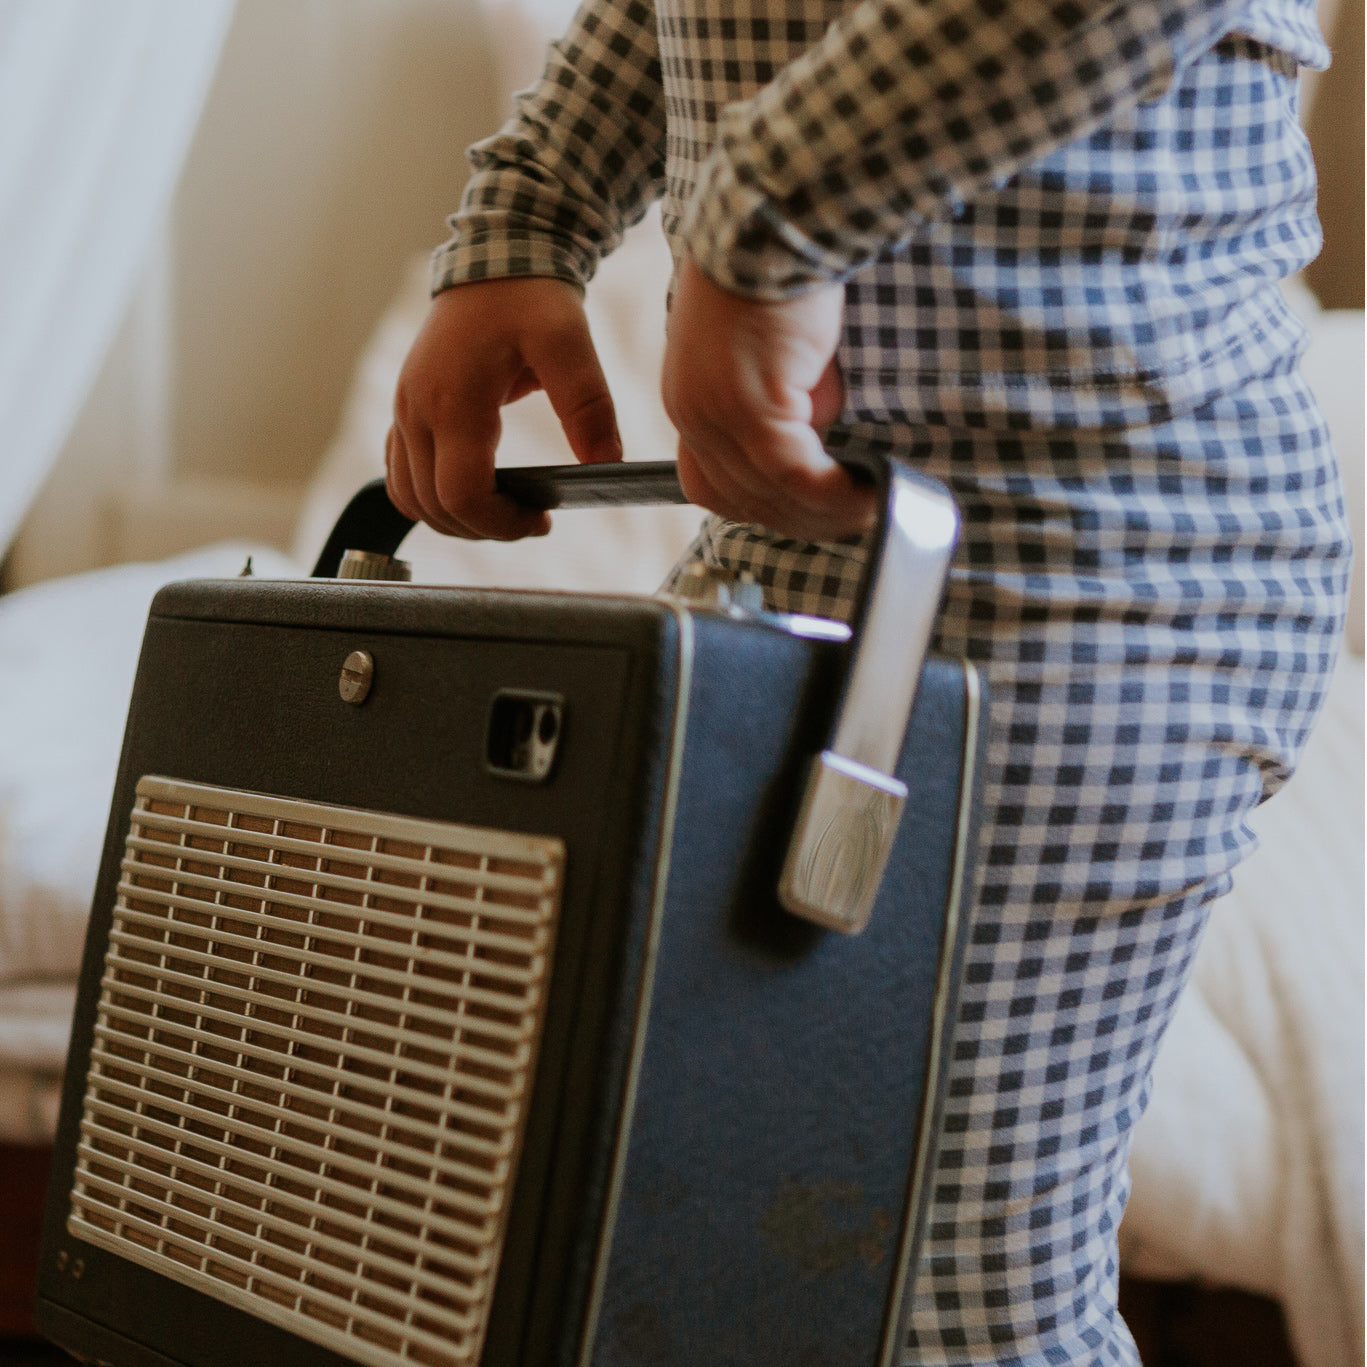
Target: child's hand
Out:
[750,386]
[484,345]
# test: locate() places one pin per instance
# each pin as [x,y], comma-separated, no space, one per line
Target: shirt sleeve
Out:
[580,161]
[906,108]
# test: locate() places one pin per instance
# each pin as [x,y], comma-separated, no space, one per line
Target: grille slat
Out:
[331,935]
[213,1227]
[306,1100]
[337,883]
[377,916]
[472,995]
[487,1024]
[395,1320]
[324,1015]
[389,863]
[473,1265]
[399,1210]
[414,1069]
[305,1153]
[494,1148]
[345,1114]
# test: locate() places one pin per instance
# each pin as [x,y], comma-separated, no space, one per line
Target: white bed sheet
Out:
[68,652]
[1248,1166]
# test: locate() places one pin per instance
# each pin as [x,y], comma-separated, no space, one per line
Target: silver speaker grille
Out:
[316,1032]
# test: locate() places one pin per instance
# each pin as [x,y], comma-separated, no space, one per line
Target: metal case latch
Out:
[853,803]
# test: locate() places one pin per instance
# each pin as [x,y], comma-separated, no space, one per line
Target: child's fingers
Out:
[751,386]
[418,444]
[482,346]
[397,479]
[712,485]
[464,487]
[566,364]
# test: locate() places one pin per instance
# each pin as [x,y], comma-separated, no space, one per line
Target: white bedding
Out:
[1248,1167]
[68,651]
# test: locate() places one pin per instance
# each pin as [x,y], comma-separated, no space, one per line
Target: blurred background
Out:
[228,195]
[287,158]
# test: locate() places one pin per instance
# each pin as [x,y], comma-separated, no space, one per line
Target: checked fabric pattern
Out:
[1151,682]
[1060,228]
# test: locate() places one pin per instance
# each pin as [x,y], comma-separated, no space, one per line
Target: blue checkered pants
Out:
[1157,613]
[1060,249]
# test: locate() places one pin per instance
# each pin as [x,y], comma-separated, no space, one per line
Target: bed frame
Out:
[23,1183]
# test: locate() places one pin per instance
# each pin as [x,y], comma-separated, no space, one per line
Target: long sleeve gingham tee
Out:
[903,111]
[1057,237]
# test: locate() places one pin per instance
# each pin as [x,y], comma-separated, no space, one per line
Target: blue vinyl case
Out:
[302,1126]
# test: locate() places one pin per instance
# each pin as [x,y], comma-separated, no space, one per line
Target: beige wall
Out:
[330,150]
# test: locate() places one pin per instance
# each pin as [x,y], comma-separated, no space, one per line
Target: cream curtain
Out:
[98,102]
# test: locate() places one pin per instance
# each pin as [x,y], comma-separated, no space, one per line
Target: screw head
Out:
[62,1259]
[358,673]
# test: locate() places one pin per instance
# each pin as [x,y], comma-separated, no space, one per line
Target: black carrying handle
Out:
[852,802]
[370,522]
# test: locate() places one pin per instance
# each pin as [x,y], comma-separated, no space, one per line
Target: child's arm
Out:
[553,192]
[579,163]
[905,108]
[908,107]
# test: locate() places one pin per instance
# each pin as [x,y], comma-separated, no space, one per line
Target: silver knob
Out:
[371,565]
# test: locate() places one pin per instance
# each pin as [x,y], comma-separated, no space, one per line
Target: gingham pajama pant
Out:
[1061,252]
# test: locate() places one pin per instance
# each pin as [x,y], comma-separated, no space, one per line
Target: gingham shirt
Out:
[1054,237]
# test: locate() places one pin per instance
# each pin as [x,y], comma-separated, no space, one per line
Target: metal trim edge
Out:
[899,1306]
[647,985]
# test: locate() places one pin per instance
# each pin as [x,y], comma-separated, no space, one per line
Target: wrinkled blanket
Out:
[1248,1166]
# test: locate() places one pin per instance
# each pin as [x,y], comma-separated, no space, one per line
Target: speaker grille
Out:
[316,1031]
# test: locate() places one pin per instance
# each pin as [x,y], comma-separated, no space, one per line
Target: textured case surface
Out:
[238,686]
[723,1130]
[770,1168]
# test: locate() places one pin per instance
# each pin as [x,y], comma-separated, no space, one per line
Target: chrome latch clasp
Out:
[845,829]
[853,801]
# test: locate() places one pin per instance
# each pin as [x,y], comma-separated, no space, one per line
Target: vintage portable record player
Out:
[465,980]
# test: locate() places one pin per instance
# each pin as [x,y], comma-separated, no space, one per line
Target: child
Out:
[1033,248]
